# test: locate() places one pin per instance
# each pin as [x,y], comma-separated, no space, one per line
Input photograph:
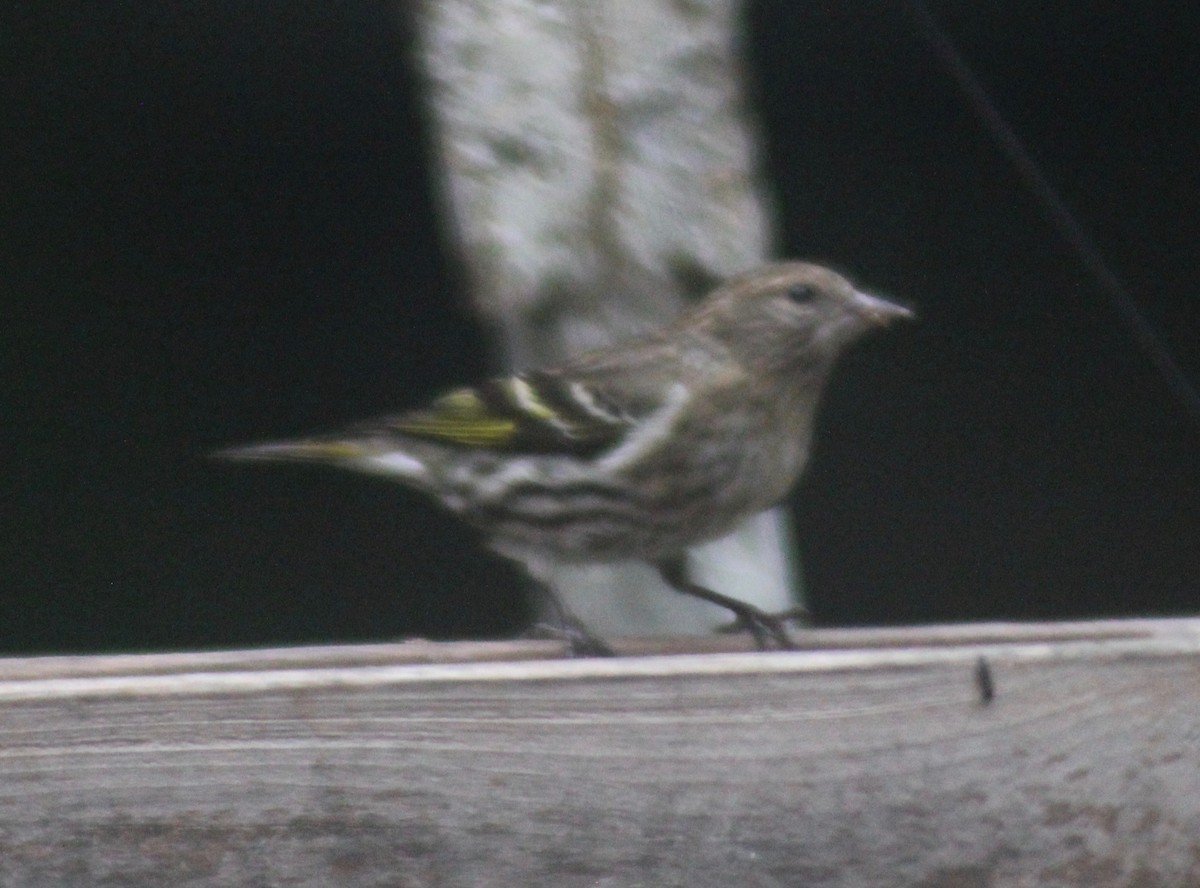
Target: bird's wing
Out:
[544,412]
[583,408]
[547,411]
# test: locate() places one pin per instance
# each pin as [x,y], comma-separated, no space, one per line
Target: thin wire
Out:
[1144,333]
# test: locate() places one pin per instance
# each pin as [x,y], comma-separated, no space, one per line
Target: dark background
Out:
[217,226]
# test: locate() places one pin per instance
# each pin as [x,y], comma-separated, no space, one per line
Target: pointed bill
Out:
[880,311]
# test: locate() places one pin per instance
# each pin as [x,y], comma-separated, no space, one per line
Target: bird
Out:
[634,452]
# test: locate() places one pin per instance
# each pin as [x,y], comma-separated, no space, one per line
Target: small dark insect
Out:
[984,681]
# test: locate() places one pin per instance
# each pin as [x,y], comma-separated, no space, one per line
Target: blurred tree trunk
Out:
[598,167]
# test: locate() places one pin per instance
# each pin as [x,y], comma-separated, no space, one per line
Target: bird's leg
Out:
[800,615]
[568,627]
[763,626]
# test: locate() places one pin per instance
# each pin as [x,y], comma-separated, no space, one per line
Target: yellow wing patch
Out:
[460,416]
[539,414]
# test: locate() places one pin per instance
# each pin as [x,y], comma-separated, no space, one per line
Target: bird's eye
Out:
[802,294]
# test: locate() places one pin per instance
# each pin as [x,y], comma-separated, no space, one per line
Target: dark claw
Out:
[579,639]
[763,627]
[568,628]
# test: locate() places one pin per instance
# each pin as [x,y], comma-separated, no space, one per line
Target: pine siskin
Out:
[637,451]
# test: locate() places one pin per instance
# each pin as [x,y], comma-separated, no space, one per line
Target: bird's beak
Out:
[879,311]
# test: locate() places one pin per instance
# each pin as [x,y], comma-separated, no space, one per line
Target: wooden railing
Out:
[987,755]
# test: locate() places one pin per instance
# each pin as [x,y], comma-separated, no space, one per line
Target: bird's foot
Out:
[581,641]
[765,627]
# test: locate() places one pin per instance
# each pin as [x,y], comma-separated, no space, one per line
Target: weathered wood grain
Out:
[868,760]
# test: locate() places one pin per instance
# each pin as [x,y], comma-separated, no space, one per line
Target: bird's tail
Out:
[300,450]
[363,455]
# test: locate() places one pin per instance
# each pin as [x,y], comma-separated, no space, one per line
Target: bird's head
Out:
[791,315]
